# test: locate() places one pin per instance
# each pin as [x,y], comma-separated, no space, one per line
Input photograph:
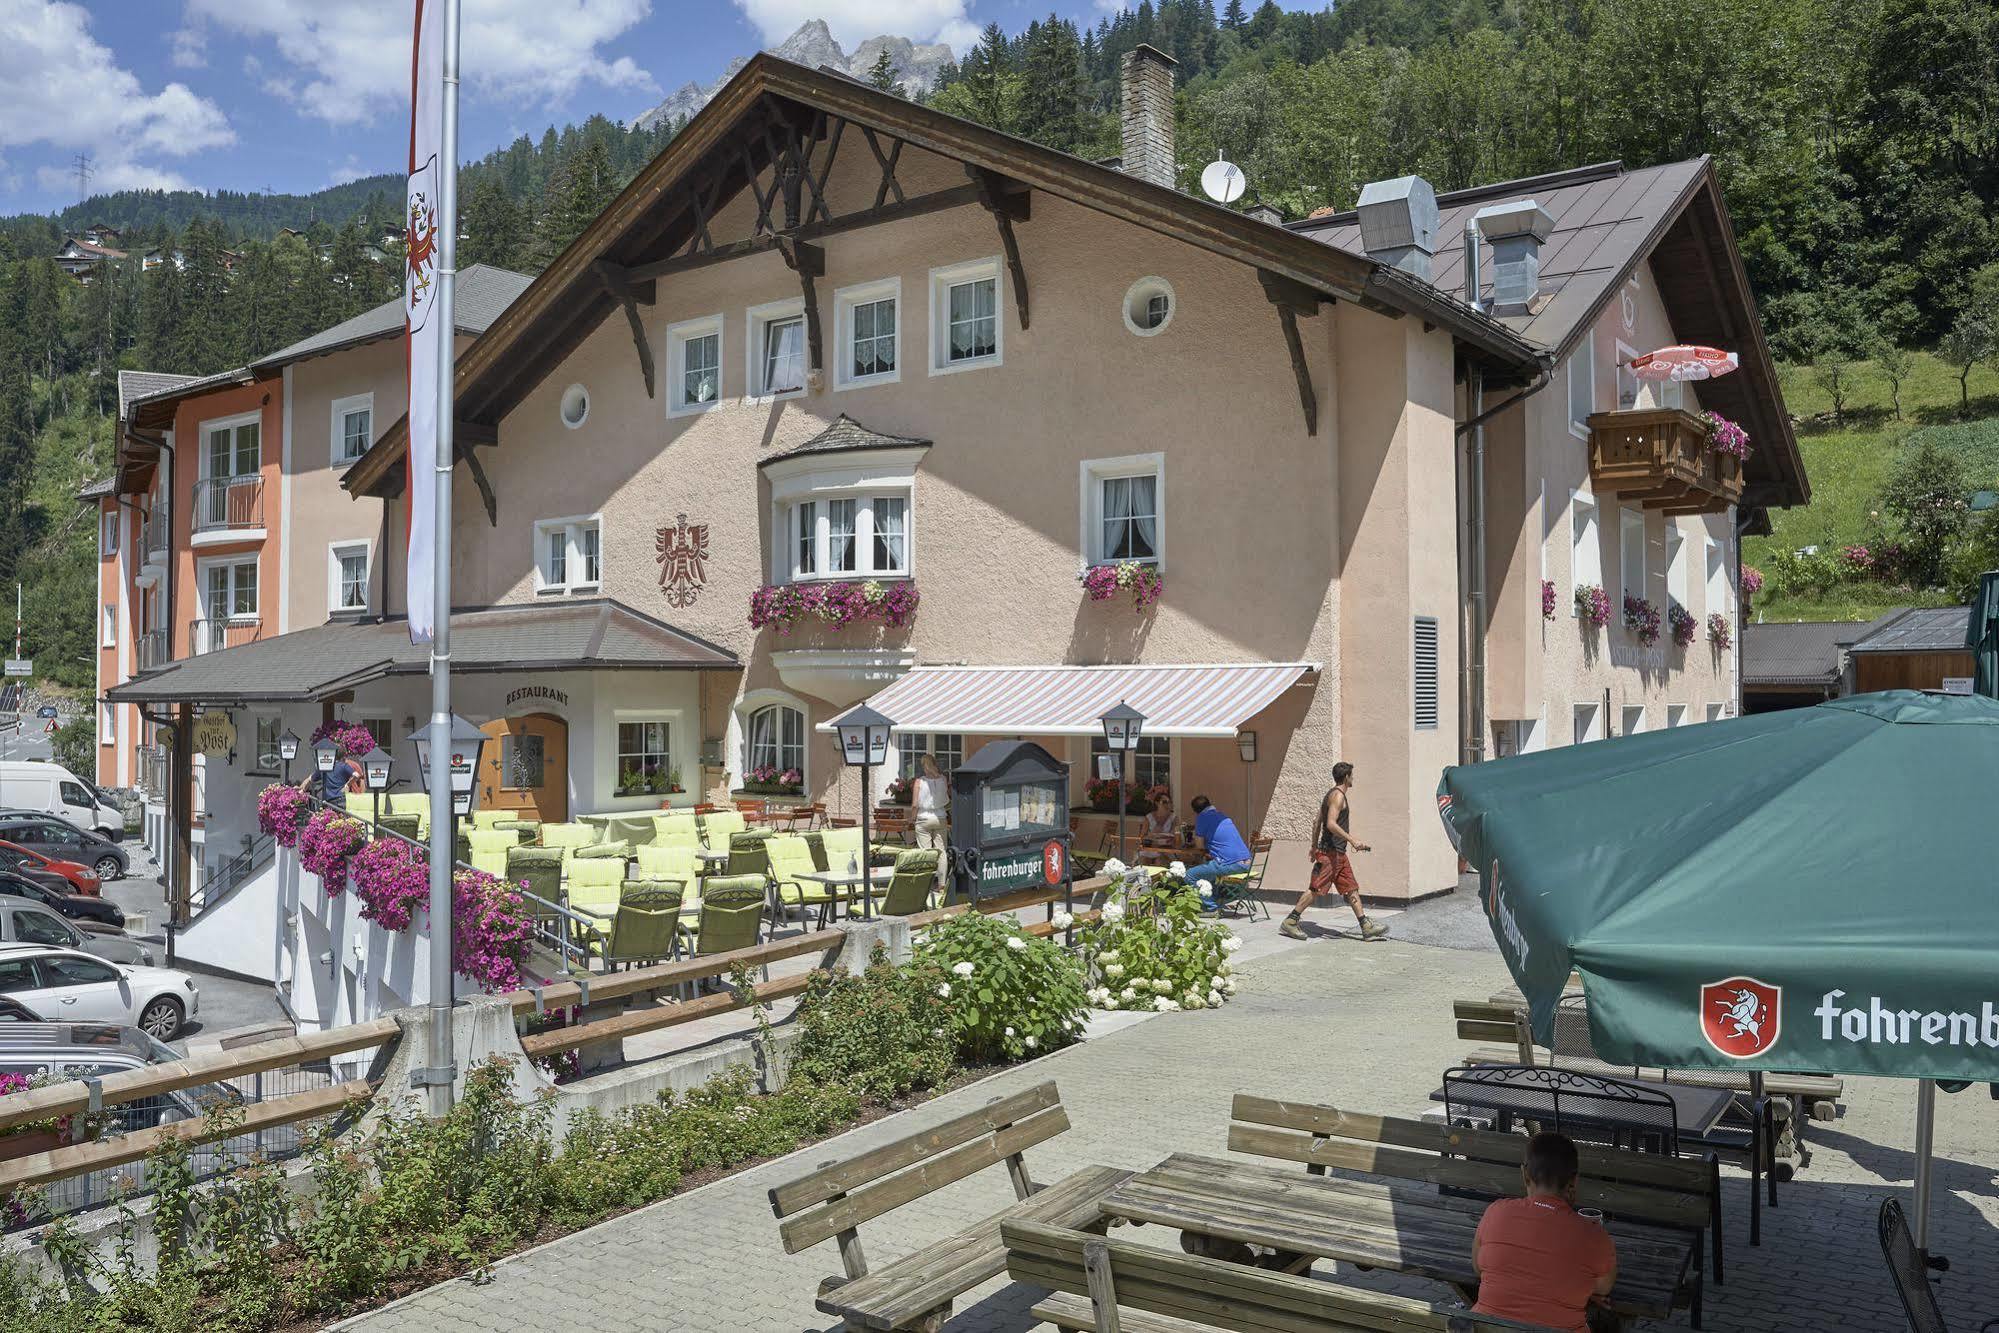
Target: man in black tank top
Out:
[1332,869]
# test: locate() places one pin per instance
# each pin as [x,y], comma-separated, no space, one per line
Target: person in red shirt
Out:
[1537,1259]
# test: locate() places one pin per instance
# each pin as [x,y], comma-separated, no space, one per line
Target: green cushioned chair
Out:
[915,880]
[1237,893]
[415,804]
[405,825]
[718,828]
[539,870]
[843,848]
[731,916]
[747,855]
[675,824]
[486,819]
[647,925]
[486,849]
[636,828]
[568,836]
[593,886]
[621,850]
[790,859]
[672,863]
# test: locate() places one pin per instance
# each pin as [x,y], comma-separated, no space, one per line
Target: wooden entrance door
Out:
[525,767]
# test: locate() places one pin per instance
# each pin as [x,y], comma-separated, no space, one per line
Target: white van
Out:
[36,784]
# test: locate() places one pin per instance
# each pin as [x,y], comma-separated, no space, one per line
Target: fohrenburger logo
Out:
[1740,1017]
[1876,1023]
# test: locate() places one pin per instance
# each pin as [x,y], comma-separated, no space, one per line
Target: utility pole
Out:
[81,163]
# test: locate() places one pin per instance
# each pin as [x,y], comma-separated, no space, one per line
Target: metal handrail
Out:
[234,871]
[155,534]
[210,634]
[154,650]
[229,502]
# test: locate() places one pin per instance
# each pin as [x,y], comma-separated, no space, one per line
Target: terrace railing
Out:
[228,502]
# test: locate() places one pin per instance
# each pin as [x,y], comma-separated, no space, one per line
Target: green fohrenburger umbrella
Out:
[1803,890]
[1982,637]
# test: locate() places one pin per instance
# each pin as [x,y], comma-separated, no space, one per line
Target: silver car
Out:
[24,922]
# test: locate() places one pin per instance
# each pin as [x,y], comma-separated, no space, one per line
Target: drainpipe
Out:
[180,812]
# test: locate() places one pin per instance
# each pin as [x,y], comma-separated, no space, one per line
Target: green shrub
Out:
[1974,444]
[1152,949]
[885,1032]
[1014,995]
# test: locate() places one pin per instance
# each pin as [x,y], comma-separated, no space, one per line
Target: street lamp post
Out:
[467,741]
[864,740]
[1245,744]
[1122,727]
[325,754]
[375,766]
[288,750]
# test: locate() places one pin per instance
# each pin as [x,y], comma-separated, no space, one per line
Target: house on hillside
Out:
[847,399]
[80,256]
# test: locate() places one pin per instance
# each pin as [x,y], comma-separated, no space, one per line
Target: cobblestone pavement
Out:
[1364,1026]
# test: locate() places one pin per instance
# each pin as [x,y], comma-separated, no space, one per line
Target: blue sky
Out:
[295,95]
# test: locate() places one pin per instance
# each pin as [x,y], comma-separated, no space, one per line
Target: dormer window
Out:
[777,349]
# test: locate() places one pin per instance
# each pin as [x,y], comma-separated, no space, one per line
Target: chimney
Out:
[1513,232]
[1146,87]
[1398,223]
[1264,213]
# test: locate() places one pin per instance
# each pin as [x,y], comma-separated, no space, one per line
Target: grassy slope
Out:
[73,446]
[1847,465]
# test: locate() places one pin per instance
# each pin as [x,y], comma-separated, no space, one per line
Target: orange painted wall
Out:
[266,398]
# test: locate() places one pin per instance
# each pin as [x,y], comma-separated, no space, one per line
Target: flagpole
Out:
[442,823]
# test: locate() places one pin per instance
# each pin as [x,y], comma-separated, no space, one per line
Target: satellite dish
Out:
[1223,182]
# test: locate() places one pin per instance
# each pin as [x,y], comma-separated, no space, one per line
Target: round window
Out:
[1148,306]
[575,405]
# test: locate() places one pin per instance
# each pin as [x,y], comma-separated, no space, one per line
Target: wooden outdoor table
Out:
[864,880]
[1406,1228]
[1698,1110]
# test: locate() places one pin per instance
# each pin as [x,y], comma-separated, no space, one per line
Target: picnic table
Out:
[865,880]
[1510,1092]
[1403,1227]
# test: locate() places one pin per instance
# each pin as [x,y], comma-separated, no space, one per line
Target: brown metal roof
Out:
[734,137]
[846,435]
[1802,653]
[1607,220]
[591,635]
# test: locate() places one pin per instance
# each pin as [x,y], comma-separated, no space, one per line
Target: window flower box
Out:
[1719,632]
[1725,436]
[649,782]
[1682,622]
[1141,580]
[900,790]
[1642,619]
[1547,599]
[768,780]
[785,605]
[1102,794]
[1592,606]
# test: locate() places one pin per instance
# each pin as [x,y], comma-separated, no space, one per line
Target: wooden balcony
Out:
[1659,457]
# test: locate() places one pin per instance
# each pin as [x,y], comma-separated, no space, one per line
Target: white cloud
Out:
[350,170]
[188,48]
[349,62]
[62,88]
[854,21]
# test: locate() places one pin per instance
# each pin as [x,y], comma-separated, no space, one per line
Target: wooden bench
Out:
[1679,1193]
[915,1292]
[1110,1286]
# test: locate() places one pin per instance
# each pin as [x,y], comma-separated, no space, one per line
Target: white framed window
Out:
[847,535]
[774,737]
[1151,761]
[1676,564]
[775,353]
[107,531]
[347,577]
[1588,723]
[1582,386]
[265,759]
[229,590]
[1717,579]
[967,316]
[107,634]
[947,748]
[870,334]
[1715,712]
[1676,715]
[1631,550]
[1148,307]
[1124,509]
[694,365]
[232,447]
[1630,392]
[1585,546]
[1634,719]
[568,554]
[353,426]
[644,757]
[107,724]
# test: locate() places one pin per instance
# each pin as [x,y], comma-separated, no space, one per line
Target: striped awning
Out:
[1176,700]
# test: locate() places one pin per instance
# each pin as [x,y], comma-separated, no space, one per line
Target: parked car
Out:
[13,1011]
[72,905]
[62,840]
[41,787]
[77,1050]
[23,922]
[66,876]
[77,987]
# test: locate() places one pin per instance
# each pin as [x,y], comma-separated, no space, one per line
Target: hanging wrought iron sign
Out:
[683,561]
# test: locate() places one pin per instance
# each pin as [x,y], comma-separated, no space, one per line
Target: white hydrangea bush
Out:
[1151,949]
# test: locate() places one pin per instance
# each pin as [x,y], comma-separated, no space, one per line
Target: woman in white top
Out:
[1162,822]
[929,796]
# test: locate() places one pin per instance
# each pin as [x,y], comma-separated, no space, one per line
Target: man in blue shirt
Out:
[1227,853]
[331,786]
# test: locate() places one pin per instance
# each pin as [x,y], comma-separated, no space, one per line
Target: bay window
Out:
[847,536]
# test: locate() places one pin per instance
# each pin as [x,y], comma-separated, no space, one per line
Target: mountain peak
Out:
[915,65]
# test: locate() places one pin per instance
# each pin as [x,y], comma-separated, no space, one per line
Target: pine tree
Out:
[491,226]
[576,194]
[205,343]
[1052,92]
[160,342]
[882,74]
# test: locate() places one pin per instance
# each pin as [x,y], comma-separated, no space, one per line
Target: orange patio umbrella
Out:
[1683,361]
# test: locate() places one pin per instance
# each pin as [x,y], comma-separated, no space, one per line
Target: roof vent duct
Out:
[1398,223]
[1146,115]
[1513,233]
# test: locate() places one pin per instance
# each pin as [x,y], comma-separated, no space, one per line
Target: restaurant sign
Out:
[1030,868]
[214,733]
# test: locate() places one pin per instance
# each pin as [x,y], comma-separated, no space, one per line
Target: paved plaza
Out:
[1367,1027]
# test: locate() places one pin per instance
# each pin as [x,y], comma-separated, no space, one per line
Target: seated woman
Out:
[1162,823]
